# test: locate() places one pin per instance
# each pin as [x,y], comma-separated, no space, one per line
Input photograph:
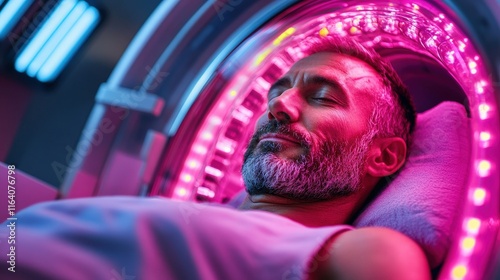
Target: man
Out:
[334,127]
[338,121]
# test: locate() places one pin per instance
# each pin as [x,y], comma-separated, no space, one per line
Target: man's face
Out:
[312,141]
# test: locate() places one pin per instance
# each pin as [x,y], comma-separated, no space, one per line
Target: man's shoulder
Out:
[376,238]
[376,253]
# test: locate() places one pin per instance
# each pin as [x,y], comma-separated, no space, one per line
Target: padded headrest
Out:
[423,200]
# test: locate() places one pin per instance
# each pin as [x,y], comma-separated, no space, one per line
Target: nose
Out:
[285,107]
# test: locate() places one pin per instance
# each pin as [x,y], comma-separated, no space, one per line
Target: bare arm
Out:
[373,253]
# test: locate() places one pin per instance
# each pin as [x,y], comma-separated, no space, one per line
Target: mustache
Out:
[273,126]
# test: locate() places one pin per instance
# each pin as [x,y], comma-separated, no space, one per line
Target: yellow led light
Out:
[473,225]
[472,67]
[459,272]
[353,29]
[181,192]
[484,167]
[339,25]
[484,136]
[468,243]
[478,196]
[283,36]
[207,135]
[260,57]
[483,111]
[193,163]
[233,93]
[479,87]
[187,178]
[415,6]
[200,149]
[484,108]
[323,32]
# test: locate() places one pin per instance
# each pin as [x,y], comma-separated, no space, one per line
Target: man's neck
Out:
[312,214]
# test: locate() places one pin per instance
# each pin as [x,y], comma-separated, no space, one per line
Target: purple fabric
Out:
[152,238]
[423,201]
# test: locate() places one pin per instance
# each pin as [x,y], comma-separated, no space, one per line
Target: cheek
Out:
[336,130]
[263,119]
[329,125]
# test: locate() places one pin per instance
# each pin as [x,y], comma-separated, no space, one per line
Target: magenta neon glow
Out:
[215,155]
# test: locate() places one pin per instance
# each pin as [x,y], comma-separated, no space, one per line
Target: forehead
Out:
[335,64]
[359,82]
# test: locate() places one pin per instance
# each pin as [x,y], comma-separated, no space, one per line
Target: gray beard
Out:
[333,170]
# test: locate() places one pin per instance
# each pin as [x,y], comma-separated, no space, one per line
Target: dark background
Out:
[39,123]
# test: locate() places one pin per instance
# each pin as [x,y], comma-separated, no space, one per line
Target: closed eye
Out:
[323,94]
[324,100]
[325,90]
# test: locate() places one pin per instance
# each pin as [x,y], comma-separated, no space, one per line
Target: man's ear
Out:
[386,156]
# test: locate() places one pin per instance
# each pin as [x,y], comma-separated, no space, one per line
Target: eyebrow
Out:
[281,82]
[322,80]
[312,80]
[315,79]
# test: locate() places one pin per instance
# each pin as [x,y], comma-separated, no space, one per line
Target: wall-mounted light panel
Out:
[11,13]
[57,38]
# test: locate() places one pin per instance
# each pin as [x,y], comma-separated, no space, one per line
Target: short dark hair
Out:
[396,101]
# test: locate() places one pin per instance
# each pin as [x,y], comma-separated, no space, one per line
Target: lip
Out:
[278,137]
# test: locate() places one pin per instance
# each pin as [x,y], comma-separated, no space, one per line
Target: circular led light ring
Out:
[423,29]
